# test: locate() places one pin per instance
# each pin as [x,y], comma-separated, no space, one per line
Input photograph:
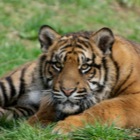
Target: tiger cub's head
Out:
[73,67]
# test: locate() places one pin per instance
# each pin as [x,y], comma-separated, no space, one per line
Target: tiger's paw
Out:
[69,125]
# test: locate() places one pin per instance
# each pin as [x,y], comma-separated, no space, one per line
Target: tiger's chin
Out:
[68,108]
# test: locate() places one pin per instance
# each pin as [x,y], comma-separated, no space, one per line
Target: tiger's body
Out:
[94,75]
[80,77]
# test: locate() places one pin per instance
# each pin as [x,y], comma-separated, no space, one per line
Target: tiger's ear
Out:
[104,39]
[47,36]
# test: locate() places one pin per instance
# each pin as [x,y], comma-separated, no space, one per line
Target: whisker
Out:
[47,90]
[56,94]
[59,97]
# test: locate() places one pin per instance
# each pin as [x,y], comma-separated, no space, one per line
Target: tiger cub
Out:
[89,76]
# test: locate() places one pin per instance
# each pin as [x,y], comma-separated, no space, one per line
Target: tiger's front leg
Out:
[124,111]
[45,115]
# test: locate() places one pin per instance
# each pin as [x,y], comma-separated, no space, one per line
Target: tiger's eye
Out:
[57,64]
[85,66]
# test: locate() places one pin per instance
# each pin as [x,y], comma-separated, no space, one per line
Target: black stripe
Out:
[62,42]
[23,112]
[42,67]
[42,70]
[80,46]
[105,69]
[127,87]
[79,52]
[28,110]
[98,66]
[117,68]
[135,92]
[85,43]
[22,82]
[12,87]
[122,84]
[61,53]
[4,93]
[65,58]
[66,46]
[42,57]
[93,74]
[100,87]
[17,111]
[49,70]
[117,71]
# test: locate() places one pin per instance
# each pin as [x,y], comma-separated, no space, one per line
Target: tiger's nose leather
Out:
[68,91]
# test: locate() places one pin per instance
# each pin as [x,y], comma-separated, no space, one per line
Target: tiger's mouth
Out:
[72,106]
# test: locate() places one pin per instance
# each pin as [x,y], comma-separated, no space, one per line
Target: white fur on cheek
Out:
[93,86]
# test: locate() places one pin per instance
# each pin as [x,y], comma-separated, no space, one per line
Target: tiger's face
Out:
[73,67]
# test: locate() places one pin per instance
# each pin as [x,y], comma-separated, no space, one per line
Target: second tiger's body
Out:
[21,91]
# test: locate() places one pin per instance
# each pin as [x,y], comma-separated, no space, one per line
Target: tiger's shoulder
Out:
[125,43]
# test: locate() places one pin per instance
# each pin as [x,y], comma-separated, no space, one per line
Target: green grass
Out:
[17,130]
[15,54]
[14,130]
[99,132]
[19,25]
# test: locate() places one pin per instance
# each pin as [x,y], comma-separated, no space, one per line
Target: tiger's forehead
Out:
[73,44]
[72,48]
[76,35]
[74,39]
[66,37]
[72,54]
[78,45]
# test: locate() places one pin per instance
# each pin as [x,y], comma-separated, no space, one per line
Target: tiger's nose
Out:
[68,91]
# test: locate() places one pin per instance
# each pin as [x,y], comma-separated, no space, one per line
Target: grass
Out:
[99,132]
[22,131]
[19,26]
